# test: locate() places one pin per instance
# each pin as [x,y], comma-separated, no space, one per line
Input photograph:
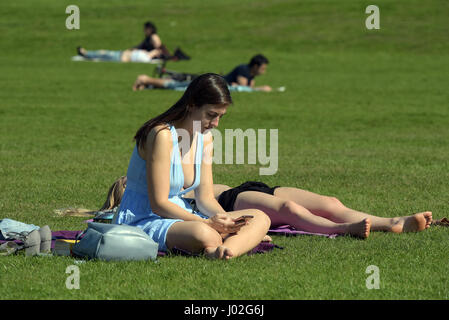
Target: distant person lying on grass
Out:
[145,82]
[303,210]
[160,171]
[240,79]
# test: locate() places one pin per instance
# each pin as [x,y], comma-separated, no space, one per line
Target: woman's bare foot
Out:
[360,229]
[140,83]
[267,238]
[413,223]
[220,252]
[136,85]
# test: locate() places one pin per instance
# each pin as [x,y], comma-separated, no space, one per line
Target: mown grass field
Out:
[365,118]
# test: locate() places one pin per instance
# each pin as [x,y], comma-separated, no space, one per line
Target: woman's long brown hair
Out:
[113,199]
[115,194]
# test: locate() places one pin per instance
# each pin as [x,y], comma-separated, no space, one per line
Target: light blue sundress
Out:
[135,207]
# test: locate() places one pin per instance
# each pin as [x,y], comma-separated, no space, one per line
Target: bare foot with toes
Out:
[413,223]
[139,84]
[220,252]
[360,229]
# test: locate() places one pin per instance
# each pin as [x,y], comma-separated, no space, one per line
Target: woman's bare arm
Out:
[157,153]
[204,193]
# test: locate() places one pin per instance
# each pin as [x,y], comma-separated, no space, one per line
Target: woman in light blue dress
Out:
[172,156]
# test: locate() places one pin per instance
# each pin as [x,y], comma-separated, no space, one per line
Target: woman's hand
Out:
[223,223]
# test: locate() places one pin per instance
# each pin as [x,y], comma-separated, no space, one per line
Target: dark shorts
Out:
[227,198]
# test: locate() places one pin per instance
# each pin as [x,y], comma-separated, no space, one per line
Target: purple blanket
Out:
[66,234]
[262,247]
[287,230]
[71,235]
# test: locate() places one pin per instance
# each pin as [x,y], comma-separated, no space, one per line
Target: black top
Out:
[146,44]
[242,70]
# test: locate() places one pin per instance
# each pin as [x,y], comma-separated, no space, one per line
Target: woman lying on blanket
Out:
[312,212]
[304,210]
[161,171]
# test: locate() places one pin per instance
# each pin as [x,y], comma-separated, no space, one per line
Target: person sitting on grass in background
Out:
[152,42]
[244,74]
[160,172]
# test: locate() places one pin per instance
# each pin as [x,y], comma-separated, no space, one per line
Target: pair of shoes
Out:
[181,55]
[45,234]
[169,58]
[38,241]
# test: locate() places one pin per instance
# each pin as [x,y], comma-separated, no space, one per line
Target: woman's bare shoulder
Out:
[159,135]
[208,137]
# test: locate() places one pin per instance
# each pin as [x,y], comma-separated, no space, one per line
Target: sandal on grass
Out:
[444,222]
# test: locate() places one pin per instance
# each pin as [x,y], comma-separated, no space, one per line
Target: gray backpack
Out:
[115,242]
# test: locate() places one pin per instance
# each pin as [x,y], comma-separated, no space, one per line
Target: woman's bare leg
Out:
[283,211]
[250,235]
[192,236]
[126,56]
[331,208]
[196,236]
[144,80]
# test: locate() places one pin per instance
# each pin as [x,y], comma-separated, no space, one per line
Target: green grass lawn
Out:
[365,118]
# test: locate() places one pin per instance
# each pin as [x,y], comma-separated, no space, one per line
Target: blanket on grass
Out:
[71,235]
[80,58]
[284,230]
[262,247]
